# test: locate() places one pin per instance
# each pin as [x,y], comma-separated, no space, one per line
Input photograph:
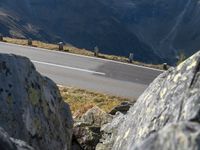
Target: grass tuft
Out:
[81,100]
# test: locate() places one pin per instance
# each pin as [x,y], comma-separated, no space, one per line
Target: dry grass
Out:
[49,46]
[81,100]
[75,50]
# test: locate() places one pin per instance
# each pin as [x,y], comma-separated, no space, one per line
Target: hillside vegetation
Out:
[81,100]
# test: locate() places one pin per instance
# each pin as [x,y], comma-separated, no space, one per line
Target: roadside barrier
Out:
[30,42]
[1,37]
[165,67]
[60,46]
[130,58]
[96,51]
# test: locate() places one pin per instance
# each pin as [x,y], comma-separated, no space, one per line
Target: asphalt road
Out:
[95,74]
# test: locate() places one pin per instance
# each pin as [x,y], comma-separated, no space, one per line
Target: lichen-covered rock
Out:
[174,96]
[177,136]
[87,130]
[31,108]
[8,143]
[96,116]
[109,132]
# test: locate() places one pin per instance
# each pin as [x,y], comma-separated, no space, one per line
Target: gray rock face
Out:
[109,132]
[87,130]
[95,116]
[8,143]
[173,97]
[31,108]
[178,136]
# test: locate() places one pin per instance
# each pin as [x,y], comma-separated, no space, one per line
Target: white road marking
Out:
[68,67]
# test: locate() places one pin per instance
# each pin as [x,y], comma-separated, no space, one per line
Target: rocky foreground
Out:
[166,116]
[34,117]
[31,108]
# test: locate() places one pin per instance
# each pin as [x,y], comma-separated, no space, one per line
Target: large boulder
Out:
[173,97]
[176,136]
[31,108]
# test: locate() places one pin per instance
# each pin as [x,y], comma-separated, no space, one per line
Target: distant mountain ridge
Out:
[154,30]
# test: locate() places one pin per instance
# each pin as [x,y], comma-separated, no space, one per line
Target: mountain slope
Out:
[154,30]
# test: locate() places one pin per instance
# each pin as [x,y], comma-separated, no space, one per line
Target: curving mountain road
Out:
[95,74]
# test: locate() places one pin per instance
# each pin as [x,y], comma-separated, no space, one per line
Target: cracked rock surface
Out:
[9,143]
[31,108]
[176,136]
[173,97]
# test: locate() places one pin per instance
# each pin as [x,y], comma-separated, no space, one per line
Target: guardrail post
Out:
[130,58]
[1,37]
[30,42]
[96,51]
[60,46]
[165,66]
